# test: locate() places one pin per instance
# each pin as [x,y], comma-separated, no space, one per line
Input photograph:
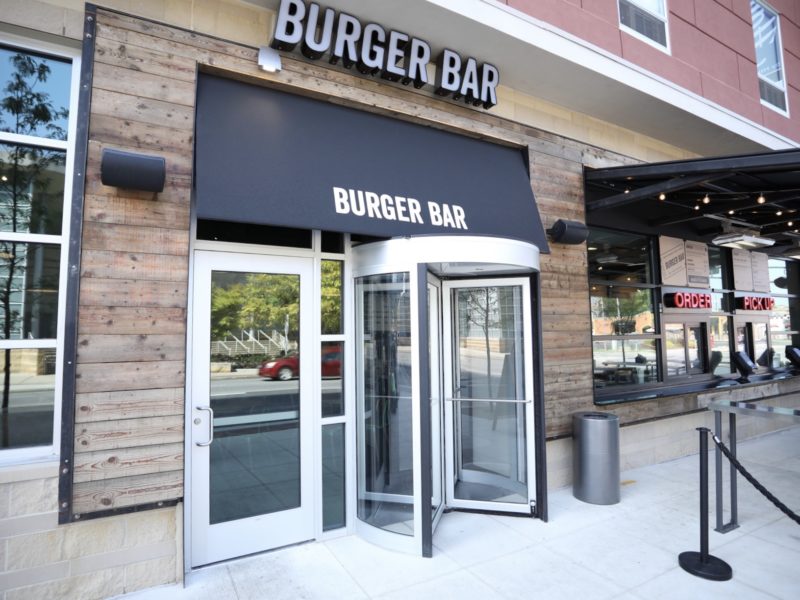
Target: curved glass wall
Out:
[384,413]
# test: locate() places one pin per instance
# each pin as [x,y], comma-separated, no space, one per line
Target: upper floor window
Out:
[769,55]
[35,178]
[646,17]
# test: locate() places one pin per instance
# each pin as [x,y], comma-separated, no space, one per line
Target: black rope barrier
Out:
[756,484]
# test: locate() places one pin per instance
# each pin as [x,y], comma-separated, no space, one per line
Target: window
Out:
[648,18]
[35,178]
[624,329]
[769,55]
[684,348]
[784,320]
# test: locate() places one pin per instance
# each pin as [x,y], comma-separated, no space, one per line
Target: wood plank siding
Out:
[135,263]
[131,358]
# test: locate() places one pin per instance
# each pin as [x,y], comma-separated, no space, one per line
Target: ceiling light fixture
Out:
[779,213]
[742,241]
[761,199]
[706,199]
[662,196]
[697,207]
[731,212]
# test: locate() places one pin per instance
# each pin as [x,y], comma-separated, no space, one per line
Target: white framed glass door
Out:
[488,386]
[251,406]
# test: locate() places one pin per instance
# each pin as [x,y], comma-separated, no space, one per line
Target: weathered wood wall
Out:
[134,277]
[133,293]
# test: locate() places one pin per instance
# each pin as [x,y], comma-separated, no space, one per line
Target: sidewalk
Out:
[627,551]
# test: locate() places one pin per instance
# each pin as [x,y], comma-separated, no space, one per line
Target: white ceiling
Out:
[546,63]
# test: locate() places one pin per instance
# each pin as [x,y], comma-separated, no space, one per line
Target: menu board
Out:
[742,270]
[673,261]
[760,267]
[697,270]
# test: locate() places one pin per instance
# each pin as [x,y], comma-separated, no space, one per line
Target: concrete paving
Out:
[625,551]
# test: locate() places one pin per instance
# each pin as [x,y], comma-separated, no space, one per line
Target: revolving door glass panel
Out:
[489,400]
[384,407]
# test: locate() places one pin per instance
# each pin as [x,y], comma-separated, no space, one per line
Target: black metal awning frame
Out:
[707,196]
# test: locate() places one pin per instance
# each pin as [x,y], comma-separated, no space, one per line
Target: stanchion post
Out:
[702,564]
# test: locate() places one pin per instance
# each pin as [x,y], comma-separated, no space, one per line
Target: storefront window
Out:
[761,350]
[685,348]
[717,268]
[719,346]
[619,258]
[784,322]
[625,362]
[624,327]
[331,297]
[34,104]
[622,311]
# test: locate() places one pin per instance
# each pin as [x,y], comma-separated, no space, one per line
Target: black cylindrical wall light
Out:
[132,171]
[568,232]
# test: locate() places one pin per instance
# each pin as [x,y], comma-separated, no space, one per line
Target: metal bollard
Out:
[702,563]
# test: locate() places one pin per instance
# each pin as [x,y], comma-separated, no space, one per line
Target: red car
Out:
[287,367]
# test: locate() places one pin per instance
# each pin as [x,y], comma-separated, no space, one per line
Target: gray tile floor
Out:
[625,551]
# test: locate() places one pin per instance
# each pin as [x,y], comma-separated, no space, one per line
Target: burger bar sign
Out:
[374,51]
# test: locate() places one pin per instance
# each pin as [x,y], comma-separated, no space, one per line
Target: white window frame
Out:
[666,48]
[782,86]
[36,454]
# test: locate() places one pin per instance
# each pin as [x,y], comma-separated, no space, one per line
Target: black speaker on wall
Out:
[568,232]
[132,171]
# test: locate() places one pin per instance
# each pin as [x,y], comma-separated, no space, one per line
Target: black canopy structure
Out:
[701,199]
[269,157]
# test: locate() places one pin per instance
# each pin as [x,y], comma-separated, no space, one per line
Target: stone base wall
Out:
[89,560]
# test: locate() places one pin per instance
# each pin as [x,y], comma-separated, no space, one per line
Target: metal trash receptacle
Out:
[595,457]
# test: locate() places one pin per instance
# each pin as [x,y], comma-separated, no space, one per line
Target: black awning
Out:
[270,157]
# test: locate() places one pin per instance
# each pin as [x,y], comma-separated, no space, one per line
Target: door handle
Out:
[210,425]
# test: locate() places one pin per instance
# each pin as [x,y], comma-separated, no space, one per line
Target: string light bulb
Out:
[731,212]
[761,199]
[790,223]
[697,207]
[662,196]
[3,178]
[779,213]
[706,199]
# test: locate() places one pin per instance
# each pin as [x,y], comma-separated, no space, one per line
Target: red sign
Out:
[755,303]
[688,300]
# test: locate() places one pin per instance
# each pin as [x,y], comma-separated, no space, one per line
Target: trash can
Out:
[595,457]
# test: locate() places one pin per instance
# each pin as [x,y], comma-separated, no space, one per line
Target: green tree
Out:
[331,297]
[254,301]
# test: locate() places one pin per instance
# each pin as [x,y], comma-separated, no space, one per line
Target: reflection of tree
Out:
[23,171]
[623,311]
[331,296]
[255,301]
[481,309]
